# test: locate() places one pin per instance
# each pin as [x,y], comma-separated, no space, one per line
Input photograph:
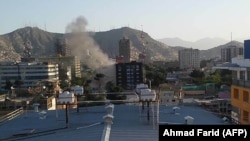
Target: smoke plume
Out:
[84,47]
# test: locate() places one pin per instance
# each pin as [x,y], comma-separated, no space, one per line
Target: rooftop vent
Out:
[189,120]
[36,105]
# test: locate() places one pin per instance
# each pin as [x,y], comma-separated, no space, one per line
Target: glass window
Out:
[236,94]
[245,96]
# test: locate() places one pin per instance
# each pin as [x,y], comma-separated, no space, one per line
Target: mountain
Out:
[202,44]
[155,50]
[216,51]
[42,43]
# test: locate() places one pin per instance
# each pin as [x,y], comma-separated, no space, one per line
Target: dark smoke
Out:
[83,45]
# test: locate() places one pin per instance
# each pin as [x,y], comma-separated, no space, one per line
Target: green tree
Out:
[8,85]
[112,89]
[197,76]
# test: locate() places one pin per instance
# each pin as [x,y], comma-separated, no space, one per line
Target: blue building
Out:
[247,49]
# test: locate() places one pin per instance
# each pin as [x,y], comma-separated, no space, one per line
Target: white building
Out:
[28,72]
[189,58]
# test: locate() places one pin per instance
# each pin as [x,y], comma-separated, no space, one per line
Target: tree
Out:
[111,88]
[8,85]
[197,76]
[18,84]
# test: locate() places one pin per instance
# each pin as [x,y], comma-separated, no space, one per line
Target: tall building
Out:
[247,49]
[230,52]
[28,72]
[62,48]
[189,58]
[125,49]
[129,74]
[66,64]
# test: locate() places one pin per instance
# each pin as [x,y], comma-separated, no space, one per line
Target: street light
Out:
[27,103]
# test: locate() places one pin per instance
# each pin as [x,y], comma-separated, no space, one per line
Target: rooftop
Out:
[130,122]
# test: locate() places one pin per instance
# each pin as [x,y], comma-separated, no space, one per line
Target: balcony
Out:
[242,83]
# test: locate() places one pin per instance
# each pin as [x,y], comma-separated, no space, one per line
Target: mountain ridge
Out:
[201,44]
[43,44]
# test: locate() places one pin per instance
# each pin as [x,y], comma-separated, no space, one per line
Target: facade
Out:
[28,72]
[128,75]
[62,48]
[247,49]
[125,49]
[240,90]
[189,58]
[230,52]
[66,64]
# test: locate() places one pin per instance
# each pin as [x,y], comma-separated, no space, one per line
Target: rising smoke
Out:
[83,46]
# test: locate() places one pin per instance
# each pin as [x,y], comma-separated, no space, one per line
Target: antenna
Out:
[231,36]
[45,27]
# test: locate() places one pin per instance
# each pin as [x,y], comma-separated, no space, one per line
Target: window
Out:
[236,94]
[245,116]
[242,75]
[245,96]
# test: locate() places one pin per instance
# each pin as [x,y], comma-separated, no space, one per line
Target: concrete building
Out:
[230,52]
[247,49]
[62,48]
[240,90]
[129,74]
[66,64]
[189,58]
[28,72]
[125,49]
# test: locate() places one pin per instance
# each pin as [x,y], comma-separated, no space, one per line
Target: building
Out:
[247,49]
[192,92]
[118,122]
[125,49]
[66,64]
[28,72]
[240,90]
[128,75]
[230,52]
[62,48]
[189,58]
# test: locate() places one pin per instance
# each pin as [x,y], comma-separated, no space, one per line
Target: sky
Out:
[189,20]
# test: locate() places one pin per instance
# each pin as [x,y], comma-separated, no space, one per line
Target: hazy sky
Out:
[187,19]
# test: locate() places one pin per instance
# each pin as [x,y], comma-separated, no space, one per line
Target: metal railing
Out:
[11,115]
[243,83]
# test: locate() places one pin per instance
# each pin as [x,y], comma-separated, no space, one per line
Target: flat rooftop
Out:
[130,122]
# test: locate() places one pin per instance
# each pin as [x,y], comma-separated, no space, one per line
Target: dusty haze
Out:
[84,47]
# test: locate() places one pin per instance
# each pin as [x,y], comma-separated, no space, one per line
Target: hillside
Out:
[42,43]
[216,51]
[201,44]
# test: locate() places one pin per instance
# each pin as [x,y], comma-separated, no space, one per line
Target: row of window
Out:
[245,95]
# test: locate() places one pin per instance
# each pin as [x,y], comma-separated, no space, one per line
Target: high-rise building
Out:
[247,49]
[125,49]
[62,48]
[128,75]
[230,52]
[189,58]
